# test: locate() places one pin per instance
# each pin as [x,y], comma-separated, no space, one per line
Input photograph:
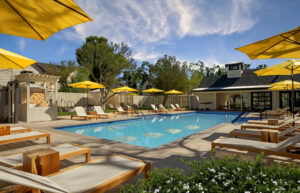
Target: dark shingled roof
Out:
[248,78]
[48,67]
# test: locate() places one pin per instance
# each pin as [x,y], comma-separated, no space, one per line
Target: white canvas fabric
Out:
[272,126]
[173,107]
[120,109]
[16,160]
[259,144]
[80,111]
[83,178]
[154,107]
[161,106]
[20,135]
[99,110]
[177,105]
[17,128]
[9,176]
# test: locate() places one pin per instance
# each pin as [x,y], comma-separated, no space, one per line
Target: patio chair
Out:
[7,130]
[99,175]
[82,114]
[7,139]
[111,106]
[175,108]
[276,113]
[182,109]
[122,111]
[100,112]
[66,151]
[269,121]
[279,127]
[277,149]
[163,109]
[265,135]
[154,108]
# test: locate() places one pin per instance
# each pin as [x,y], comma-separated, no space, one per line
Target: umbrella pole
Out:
[293,92]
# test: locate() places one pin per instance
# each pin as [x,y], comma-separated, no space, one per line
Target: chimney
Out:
[234,69]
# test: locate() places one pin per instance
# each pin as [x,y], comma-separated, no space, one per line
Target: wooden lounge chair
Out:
[111,106]
[277,149]
[82,114]
[269,121]
[163,109]
[175,108]
[7,130]
[182,109]
[6,139]
[100,112]
[276,113]
[99,175]
[154,108]
[122,111]
[66,151]
[265,135]
[279,127]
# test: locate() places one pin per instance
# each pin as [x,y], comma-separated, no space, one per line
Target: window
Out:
[286,100]
[234,67]
[261,101]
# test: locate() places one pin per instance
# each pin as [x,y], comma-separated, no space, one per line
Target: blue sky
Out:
[191,30]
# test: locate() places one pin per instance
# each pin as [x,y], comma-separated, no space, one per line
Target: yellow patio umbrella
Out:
[124,89]
[87,85]
[284,85]
[153,90]
[289,67]
[39,19]
[173,92]
[284,45]
[10,60]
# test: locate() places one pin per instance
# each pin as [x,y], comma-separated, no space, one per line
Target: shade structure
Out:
[173,92]
[124,89]
[289,67]
[154,90]
[10,60]
[39,19]
[87,85]
[284,85]
[284,45]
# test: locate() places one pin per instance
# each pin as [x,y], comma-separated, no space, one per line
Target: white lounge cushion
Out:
[92,174]
[99,110]
[20,135]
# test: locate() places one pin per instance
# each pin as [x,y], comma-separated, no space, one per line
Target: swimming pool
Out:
[154,131]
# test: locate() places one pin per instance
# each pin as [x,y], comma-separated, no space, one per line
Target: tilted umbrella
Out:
[39,19]
[87,85]
[284,45]
[153,90]
[289,67]
[284,85]
[10,60]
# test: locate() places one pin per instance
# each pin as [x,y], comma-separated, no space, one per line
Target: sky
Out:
[191,30]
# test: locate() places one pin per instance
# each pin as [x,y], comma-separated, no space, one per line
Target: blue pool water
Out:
[155,130]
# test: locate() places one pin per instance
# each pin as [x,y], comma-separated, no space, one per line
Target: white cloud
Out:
[140,24]
[62,50]
[22,44]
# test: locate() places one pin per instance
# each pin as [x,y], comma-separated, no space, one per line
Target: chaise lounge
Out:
[80,113]
[7,130]
[99,175]
[66,151]
[100,112]
[7,139]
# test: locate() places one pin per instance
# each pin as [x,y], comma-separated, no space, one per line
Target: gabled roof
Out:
[248,80]
[48,67]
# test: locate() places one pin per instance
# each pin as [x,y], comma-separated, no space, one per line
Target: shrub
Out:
[223,175]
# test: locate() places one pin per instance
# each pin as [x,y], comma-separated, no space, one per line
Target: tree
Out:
[68,72]
[196,71]
[105,61]
[168,73]
[136,77]
[261,66]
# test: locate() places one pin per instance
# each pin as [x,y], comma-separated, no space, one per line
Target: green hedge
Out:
[223,175]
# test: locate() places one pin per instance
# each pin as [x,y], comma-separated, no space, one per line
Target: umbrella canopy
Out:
[284,45]
[87,84]
[284,85]
[124,89]
[288,67]
[10,60]
[173,92]
[39,19]
[152,90]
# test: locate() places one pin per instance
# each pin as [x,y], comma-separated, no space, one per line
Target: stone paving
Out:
[193,147]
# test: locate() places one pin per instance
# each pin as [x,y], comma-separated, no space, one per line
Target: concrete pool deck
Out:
[194,147]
